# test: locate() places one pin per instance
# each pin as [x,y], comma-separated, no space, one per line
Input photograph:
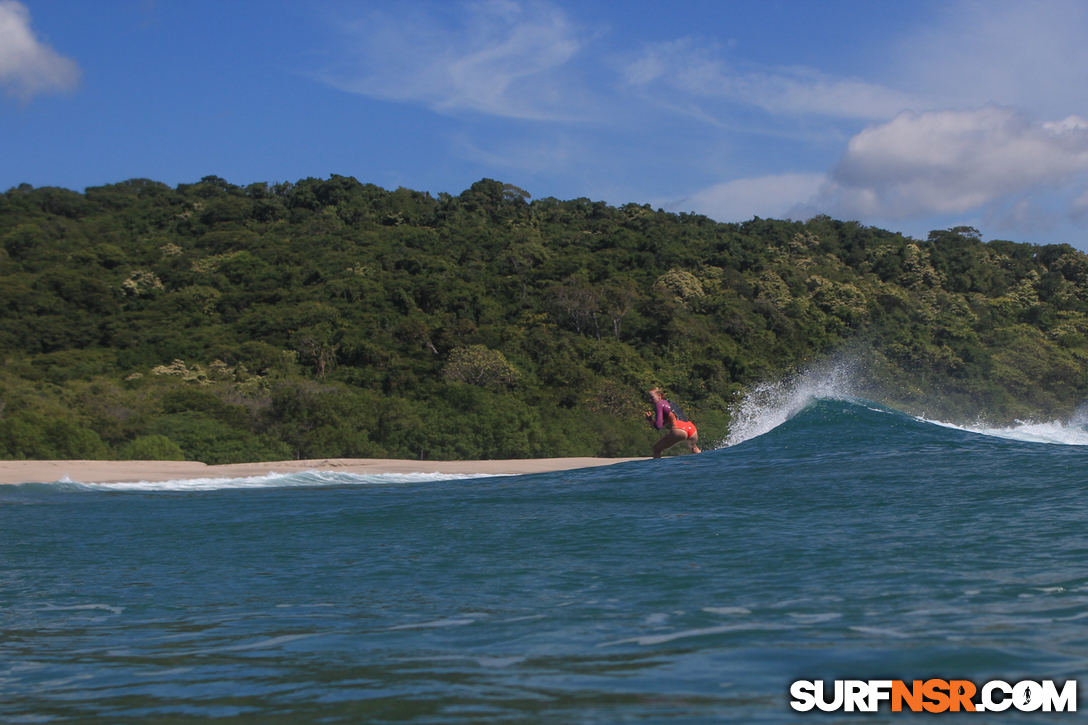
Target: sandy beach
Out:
[132,471]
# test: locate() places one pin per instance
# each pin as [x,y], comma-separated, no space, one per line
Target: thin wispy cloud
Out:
[500,58]
[528,60]
[29,67]
[701,73]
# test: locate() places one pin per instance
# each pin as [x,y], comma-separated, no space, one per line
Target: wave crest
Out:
[770,404]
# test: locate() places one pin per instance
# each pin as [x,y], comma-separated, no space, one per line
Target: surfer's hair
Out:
[657,390]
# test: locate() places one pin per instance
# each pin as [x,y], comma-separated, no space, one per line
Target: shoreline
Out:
[15,472]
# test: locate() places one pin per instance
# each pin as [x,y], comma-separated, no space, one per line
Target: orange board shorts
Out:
[687,426]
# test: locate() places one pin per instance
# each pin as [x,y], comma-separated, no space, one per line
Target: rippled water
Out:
[848,541]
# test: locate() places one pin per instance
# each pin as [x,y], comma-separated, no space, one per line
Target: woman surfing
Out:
[667,414]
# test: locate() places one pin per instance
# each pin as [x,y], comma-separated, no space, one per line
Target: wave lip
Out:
[770,404]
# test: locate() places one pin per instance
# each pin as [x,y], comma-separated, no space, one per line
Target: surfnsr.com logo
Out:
[935,696]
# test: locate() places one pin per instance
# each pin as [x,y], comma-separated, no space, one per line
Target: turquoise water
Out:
[844,541]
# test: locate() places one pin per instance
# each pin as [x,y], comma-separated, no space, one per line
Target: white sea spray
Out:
[770,404]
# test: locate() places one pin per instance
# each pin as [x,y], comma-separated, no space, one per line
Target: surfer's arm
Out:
[660,422]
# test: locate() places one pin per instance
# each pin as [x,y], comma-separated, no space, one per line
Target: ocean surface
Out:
[833,538]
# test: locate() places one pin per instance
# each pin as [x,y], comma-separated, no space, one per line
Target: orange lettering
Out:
[932,690]
[913,697]
[961,692]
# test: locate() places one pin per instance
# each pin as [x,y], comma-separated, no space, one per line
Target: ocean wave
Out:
[770,404]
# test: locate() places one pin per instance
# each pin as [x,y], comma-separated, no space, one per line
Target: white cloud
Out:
[504,59]
[28,66]
[770,196]
[697,71]
[947,162]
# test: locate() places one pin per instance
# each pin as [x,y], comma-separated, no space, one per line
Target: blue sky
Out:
[909,116]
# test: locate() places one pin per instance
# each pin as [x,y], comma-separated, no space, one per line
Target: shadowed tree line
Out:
[331,318]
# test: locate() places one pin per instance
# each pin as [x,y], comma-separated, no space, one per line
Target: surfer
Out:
[667,414]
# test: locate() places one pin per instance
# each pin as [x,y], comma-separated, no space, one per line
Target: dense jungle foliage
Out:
[331,318]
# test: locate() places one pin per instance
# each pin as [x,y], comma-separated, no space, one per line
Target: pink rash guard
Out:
[664,412]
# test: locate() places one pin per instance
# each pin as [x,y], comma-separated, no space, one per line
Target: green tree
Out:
[477,365]
[152,448]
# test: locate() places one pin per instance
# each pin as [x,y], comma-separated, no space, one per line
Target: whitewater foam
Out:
[272,480]
[1055,432]
[1073,432]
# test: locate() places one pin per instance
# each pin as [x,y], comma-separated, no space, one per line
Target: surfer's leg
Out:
[670,439]
[693,441]
[692,434]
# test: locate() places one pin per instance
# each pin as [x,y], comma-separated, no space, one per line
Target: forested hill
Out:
[332,318]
